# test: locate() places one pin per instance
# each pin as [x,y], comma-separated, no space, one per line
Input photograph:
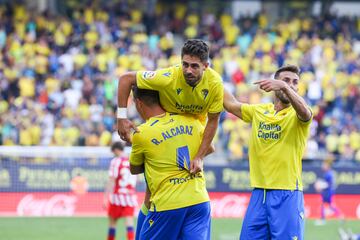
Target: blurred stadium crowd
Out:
[58,74]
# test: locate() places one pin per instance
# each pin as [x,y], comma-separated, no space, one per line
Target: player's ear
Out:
[206,64]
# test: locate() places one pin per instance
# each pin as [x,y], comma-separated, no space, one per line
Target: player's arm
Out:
[126,81]
[231,104]
[209,133]
[136,169]
[147,197]
[108,188]
[298,103]
[137,157]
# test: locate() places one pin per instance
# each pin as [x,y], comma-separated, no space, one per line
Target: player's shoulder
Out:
[213,76]
[168,73]
[263,107]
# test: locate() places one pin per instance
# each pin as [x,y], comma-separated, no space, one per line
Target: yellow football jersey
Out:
[177,96]
[166,145]
[276,148]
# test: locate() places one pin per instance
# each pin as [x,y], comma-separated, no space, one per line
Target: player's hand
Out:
[196,165]
[124,126]
[269,85]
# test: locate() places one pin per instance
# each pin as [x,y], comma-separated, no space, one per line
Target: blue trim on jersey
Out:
[154,123]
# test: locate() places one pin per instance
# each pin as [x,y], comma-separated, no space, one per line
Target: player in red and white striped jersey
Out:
[120,194]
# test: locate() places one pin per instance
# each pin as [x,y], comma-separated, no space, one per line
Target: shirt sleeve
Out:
[308,122]
[247,112]
[154,80]
[218,99]
[137,152]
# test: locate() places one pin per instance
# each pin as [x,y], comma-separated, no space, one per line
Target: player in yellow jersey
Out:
[277,143]
[192,87]
[163,148]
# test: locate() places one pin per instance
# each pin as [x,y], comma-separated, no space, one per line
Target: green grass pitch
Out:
[75,228]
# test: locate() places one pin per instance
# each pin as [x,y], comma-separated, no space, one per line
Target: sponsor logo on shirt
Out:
[269,131]
[167,74]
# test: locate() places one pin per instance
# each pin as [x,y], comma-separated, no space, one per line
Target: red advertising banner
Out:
[223,205]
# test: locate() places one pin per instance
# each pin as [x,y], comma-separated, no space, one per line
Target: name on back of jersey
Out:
[173,132]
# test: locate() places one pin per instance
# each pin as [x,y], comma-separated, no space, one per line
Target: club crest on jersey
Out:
[178,91]
[205,92]
[148,74]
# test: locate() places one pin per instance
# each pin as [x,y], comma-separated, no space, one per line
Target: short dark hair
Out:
[117,145]
[196,47]
[287,68]
[148,97]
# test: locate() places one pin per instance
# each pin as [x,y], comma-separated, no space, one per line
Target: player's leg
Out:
[163,225]
[197,223]
[286,214]
[128,214]
[140,220]
[112,228]
[255,224]
[129,223]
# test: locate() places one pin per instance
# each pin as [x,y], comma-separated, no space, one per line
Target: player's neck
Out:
[155,112]
[278,105]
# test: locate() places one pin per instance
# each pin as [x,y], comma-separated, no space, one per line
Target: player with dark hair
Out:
[277,143]
[120,196]
[163,148]
[191,88]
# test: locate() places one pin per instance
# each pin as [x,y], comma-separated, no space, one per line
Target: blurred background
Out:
[59,66]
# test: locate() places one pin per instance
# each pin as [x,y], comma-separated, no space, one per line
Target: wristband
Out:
[121,113]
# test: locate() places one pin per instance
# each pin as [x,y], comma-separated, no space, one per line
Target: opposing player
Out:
[163,148]
[278,139]
[192,87]
[327,190]
[120,196]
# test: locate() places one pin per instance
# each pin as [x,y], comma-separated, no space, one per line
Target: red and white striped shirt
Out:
[124,193]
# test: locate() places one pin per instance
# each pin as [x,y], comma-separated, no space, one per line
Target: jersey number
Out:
[183,157]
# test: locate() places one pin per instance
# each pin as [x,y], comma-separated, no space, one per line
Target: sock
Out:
[141,218]
[322,211]
[111,234]
[130,233]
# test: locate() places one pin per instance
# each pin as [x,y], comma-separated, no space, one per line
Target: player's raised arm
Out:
[231,104]
[124,125]
[285,86]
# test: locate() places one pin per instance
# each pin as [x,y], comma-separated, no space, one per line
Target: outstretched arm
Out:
[231,104]
[298,103]
[124,125]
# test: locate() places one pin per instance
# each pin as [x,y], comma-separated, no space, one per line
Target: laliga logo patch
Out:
[148,74]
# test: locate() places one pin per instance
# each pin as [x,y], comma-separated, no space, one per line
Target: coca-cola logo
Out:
[229,206]
[56,205]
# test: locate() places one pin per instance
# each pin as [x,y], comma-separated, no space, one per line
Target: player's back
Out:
[123,193]
[168,143]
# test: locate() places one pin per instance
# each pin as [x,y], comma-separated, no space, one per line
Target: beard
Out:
[191,79]
[282,97]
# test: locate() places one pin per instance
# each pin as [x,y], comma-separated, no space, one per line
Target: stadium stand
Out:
[58,73]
